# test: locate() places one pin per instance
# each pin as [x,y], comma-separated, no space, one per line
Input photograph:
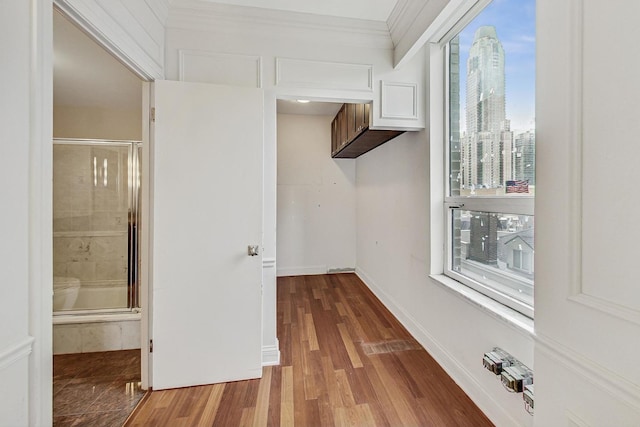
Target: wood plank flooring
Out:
[345,361]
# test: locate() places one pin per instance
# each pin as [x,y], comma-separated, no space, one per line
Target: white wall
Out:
[15,344]
[316,199]
[394,259]
[25,220]
[587,295]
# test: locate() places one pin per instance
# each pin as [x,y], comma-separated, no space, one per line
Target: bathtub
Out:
[81,329]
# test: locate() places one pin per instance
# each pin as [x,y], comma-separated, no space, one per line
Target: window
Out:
[490,148]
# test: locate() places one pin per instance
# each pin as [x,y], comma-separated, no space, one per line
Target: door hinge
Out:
[150,346]
[153,114]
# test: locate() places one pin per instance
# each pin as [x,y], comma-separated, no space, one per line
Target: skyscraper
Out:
[488,136]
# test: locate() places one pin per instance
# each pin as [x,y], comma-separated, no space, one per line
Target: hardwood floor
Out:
[345,361]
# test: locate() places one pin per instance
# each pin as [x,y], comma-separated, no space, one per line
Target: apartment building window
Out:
[490,148]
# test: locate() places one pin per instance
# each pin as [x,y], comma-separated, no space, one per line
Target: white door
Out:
[206,189]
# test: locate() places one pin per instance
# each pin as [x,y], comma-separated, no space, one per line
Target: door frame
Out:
[147,75]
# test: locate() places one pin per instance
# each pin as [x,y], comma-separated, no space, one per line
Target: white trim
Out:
[384,106]
[113,38]
[485,400]
[309,270]
[500,311]
[40,237]
[145,289]
[574,420]
[459,19]
[257,60]
[339,67]
[268,263]
[575,145]
[437,159]
[271,354]
[160,9]
[217,17]
[95,318]
[516,204]
[600,304]
[604,379]
[398,15]
[440,26]
[18,351]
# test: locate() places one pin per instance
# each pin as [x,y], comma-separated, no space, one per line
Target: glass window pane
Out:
[492,103]
[495,250]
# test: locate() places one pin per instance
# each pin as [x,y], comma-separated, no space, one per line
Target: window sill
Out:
[501,312]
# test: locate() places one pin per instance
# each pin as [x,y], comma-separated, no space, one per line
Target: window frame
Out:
[518,204]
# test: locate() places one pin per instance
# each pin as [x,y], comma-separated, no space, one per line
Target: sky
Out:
[515,24]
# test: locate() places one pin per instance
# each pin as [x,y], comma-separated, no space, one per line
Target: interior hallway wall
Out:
[316,196]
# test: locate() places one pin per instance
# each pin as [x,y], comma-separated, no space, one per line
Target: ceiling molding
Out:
[160,9]
[107,30]
[412,28]
[399,18]
[216,17]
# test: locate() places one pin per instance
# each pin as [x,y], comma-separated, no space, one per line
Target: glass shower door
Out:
[95,188]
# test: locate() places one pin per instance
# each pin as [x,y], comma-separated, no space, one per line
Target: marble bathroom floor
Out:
[96,389]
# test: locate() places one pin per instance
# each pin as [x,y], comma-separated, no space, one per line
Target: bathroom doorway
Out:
[97,126]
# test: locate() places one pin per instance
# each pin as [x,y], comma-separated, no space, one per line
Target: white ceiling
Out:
[376,10]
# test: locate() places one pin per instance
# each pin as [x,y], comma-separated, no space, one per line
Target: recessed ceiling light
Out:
[303,101]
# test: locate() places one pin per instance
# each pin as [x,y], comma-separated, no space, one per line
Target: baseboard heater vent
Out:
[341,270]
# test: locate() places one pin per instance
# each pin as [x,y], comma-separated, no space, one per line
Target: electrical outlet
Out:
[515,377]
[527,396]
[496,360]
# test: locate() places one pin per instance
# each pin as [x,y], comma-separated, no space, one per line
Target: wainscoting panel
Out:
[220,68]
[399,101]
[324,75]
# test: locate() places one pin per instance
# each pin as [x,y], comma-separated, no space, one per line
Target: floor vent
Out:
[389,346]
[341,270]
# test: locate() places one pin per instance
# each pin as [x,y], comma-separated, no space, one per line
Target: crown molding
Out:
[401,18]
[160,9]
[216,17]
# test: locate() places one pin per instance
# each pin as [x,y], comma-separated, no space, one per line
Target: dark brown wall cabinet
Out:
[350,133]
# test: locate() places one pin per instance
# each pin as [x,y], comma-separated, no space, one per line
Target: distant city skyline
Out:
[518,40]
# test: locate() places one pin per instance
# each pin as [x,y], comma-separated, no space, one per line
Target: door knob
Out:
[252,250]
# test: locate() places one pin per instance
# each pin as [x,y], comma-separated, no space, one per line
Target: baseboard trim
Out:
[302,271]
[18,351]
[271,354]
[457,371]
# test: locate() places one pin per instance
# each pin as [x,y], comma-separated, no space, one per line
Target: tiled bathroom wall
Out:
[96,336]
[90,222]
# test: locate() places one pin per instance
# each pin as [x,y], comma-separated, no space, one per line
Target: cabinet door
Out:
[361,117]
[352,131]
[335,137]
[343,125]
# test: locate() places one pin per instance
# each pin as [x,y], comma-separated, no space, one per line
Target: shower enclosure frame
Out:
[134,200]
